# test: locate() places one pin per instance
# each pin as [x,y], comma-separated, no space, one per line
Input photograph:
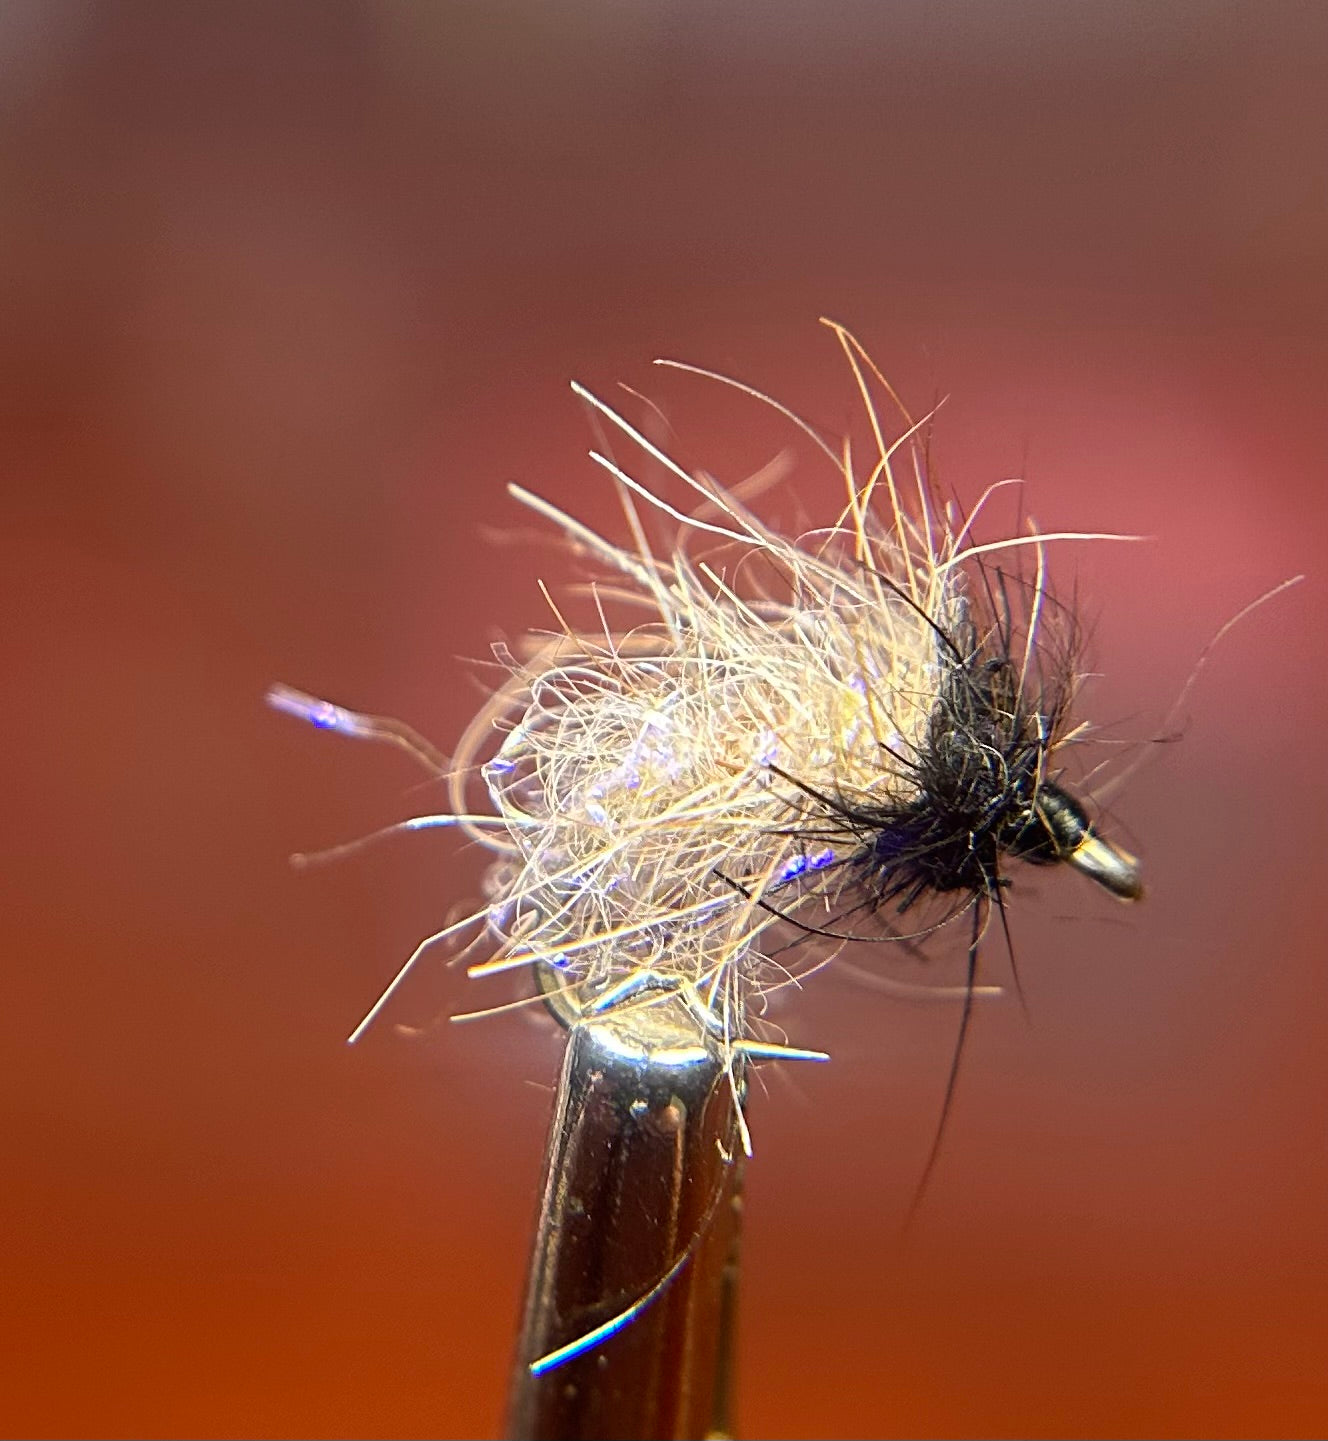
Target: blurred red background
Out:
[287,294]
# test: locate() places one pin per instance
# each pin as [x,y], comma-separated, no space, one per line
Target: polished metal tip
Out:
[1108,865]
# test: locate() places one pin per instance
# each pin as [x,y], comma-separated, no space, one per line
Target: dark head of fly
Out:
[1056,828]
[982,793]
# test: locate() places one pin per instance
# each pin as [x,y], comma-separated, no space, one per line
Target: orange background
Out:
[287,294]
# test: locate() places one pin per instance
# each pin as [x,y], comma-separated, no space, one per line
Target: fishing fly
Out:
[781,746]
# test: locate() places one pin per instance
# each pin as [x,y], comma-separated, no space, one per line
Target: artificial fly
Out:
[784,747]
